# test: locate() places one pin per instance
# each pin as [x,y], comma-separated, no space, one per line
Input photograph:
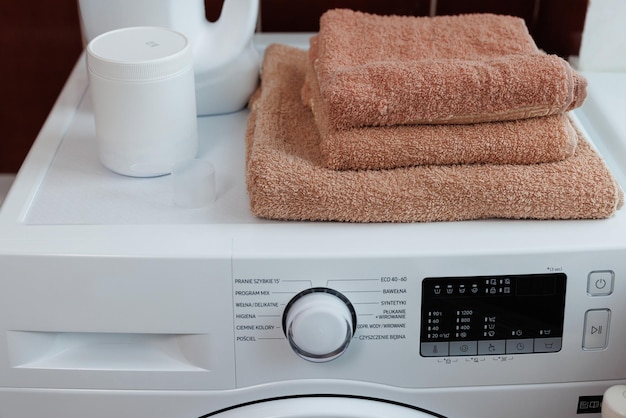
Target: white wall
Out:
[603,46]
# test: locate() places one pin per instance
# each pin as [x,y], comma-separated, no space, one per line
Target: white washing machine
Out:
[116,303]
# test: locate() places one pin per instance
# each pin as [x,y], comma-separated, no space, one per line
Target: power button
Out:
[600,283]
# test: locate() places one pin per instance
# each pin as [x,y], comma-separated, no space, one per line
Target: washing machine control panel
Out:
[429,322]
[440,316]
[492,315]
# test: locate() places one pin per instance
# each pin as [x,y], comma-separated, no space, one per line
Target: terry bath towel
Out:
[286,180]
[522,141]
[391,70]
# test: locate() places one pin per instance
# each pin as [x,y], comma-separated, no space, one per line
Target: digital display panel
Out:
[492,315]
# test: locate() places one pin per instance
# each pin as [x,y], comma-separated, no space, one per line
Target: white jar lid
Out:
[139,54]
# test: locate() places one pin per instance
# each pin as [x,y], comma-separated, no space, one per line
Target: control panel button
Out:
[463,348]
[436,349]
[600,283]
[491,348]
[521,346]
[596,334]
[548,345]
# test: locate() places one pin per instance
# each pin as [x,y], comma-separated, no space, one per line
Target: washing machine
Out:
[116,303]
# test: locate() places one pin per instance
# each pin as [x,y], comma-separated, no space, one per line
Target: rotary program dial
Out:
[319,324]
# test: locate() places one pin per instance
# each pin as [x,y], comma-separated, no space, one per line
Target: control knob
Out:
[319,324]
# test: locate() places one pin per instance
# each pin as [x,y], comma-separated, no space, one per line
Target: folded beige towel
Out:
[522,141]
[391,70]
[286,180]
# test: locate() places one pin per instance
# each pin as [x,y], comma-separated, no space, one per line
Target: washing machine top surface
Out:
[62,185]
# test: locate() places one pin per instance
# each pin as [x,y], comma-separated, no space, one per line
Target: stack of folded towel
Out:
[401,119]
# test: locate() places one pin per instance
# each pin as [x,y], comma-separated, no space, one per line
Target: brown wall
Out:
[556,25]
[40,43]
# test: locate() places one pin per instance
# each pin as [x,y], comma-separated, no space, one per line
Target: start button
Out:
[600,283]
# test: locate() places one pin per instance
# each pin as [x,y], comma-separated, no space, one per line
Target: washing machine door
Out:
[324,407]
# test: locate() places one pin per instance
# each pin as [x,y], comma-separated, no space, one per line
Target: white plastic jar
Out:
[143,95]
